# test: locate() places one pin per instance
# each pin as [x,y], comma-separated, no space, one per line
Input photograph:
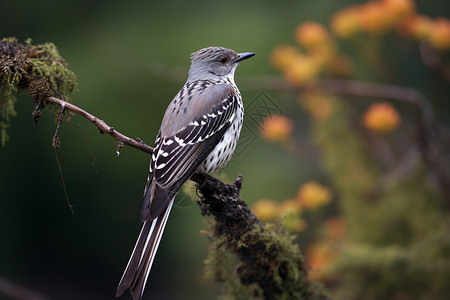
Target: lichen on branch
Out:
[252,260]
[39,69]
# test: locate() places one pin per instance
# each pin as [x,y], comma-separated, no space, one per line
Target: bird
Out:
[198,134]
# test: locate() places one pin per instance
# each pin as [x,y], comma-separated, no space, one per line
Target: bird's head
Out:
[215,63]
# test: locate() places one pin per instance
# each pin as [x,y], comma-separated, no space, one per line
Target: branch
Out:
[345,87]
[268,259]
[102,126]
[335,86]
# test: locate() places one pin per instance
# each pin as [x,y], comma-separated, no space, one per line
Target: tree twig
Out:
[345,87]
[105,128]
[329,85]
[102,126]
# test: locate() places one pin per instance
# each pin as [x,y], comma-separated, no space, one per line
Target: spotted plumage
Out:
[198,133]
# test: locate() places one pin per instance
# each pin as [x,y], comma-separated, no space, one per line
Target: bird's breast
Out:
[224,150]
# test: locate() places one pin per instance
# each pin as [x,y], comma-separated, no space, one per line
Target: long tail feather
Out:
[141,260]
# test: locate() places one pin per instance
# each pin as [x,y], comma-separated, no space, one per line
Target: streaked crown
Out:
[212,53]
[215,63]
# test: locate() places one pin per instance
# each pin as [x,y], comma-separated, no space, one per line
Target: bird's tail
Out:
[140,263]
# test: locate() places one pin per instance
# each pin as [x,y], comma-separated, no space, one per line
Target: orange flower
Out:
[265,209]
[440,35]
[303,69]
[312,195]
[319,255]
[312,34]
[381,117]
[276,128]
[374,17]
[283,56]
[418,26]
[398,9]
[347,22]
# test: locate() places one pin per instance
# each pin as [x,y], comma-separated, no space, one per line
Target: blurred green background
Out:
[124,53]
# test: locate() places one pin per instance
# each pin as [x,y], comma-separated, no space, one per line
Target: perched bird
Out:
[198,133]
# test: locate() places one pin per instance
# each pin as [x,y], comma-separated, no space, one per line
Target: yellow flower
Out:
[440,35]
[418,26]
[374,17]
[283,56]
[265,209]
[381,117]
[312,195]
[303,69]
[347,22]
[276,128]
[312,34]
[398,9]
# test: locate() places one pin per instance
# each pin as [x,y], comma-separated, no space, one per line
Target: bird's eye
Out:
[223,59]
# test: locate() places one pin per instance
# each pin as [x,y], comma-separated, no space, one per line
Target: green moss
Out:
[39,69]
[47,63]
[263,263]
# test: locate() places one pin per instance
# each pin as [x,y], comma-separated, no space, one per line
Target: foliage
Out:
[388,237]
[38,68]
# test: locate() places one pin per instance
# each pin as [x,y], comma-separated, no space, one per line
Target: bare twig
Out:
[105,128]
[345,87]
[102,126]
[334,86]
[56,141]
[379,90]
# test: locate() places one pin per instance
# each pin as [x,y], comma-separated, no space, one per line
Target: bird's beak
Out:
[243,56]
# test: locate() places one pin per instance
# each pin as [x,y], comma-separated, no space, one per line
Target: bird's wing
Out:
[179,150]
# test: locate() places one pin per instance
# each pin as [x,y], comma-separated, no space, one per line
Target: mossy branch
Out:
[270,265]
[39,69]
[46,76]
